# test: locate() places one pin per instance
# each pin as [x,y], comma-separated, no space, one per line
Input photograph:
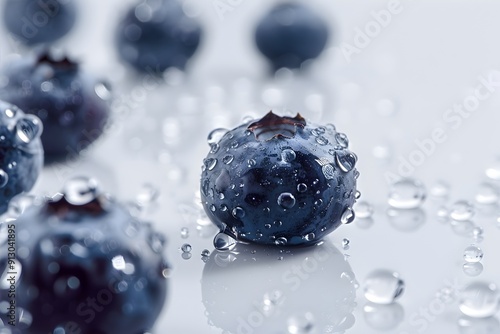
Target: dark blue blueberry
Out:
[21,153]
[156,35]
[39,21]
[291,34]
[73,107]
[279,180]
[85,265]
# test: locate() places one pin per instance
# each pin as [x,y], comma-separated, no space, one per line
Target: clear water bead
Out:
[479,300]
[216,135]
[81,190]
[473,254]
[406,194]
[345,243]
[288,155]
[184,233]
[224,242]
[383,286]
[363,209]
[286,200]
[186,248]
[347,216]
[493,171]
[486,194]
[462,211]
[342,139]
[4,178]
[28,128]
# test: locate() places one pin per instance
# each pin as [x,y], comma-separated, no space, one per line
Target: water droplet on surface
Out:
[310,236]
[473,254]
[479,300]
[486,194]
[301,187]
[342,139]
[347,216]
[477,233]
[346,243]
[186,248]
[300,324]
[363,209]
[443,214]
[346,160]
[81,190]
[238,212]
[281,241]
[184,233]
[286,200]
[205,253]
[472,269]
[318,131]
[406,194]
[4,178]
[28,128]
[216,135]
[322,140]
[210,163]
[440,190]
[228,159]
[251,163]
[383,286]
[288,155]
[462,211]
[224,242]
[10,113]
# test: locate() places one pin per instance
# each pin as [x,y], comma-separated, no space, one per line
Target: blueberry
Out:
[279,180]
[39,21]
[21,153]
[290,34]
[85,265]
[71,105]
[156,35]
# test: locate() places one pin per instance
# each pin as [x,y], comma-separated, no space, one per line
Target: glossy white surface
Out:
[390,98]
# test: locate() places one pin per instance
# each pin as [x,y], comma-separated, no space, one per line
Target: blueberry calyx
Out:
[64,63]
[274,126]
[80,195]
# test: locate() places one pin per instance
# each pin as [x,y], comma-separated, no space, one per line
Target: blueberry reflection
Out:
[468,325]
[383,317]
[257,289]
[406,220]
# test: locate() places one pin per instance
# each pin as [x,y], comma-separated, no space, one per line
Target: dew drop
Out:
[318,131]
[238,212]
[184,233]
[479,300]
[357,195]
[346,160]
[186,248]
[210,163]
[310,236]
[301,187]
[462,211]
[216,135]
[487,194]
[205,253]
[406,194]
[322,140]
[383,286]
[281,241]
[28,128]
[288,155]
[345,243]
[363,209]
[286,200]
[347,216]
[4,178]
[473,254]
[228,159]
[328,171]
[224,242]
[10,113]
[342,140]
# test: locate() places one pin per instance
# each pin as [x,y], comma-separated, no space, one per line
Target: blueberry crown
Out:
[274,126]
